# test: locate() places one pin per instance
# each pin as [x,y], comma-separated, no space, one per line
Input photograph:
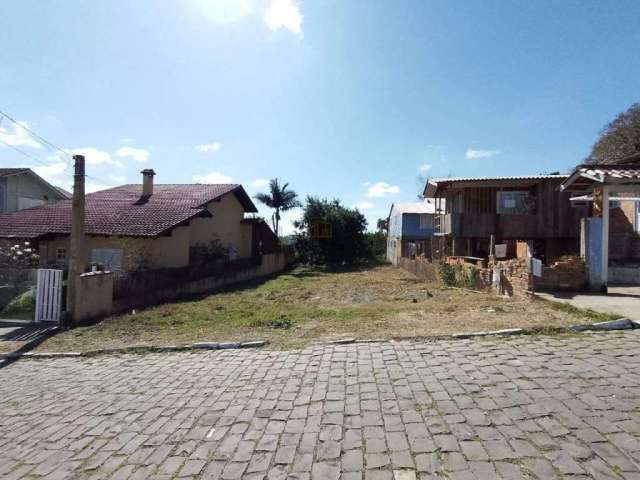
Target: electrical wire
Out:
[44,141]
[35,135]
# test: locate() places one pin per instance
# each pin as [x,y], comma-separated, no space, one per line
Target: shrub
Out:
[461,276]
[21,306]
[331,234]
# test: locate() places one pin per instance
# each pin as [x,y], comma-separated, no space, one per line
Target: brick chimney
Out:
[147,182]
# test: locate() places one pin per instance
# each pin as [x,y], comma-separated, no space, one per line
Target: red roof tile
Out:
[122,211]
[585,176]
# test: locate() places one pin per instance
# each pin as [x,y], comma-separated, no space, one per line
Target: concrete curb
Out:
[620,324]
[139,349]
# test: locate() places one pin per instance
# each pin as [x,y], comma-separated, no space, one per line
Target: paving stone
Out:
[325,471]
[352,461]
[523,407]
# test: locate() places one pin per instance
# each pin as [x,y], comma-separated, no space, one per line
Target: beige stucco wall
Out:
[170,251]
[162,252]
[224,226]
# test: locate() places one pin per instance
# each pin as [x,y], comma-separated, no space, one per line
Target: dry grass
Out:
[311,305]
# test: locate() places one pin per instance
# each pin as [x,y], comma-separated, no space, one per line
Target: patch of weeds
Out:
[461,276]
[280,322]
[592,315]
[448,274]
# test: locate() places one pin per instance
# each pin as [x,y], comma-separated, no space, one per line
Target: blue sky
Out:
[349,99]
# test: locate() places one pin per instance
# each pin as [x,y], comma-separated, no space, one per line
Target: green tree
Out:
[280,199]
[331,234]
[383,224]
[618,139]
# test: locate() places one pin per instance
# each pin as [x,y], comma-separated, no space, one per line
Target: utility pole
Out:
[76,246]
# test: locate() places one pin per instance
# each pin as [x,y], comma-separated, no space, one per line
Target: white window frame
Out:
[425,221]
[501,198]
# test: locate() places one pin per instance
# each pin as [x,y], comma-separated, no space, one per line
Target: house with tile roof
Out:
[22,188]
[142,226]
[611,237]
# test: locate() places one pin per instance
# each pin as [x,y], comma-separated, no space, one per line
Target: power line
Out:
[34,134]
[46,142]
[35,159]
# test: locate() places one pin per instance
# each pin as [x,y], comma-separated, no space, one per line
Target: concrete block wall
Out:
[95,296]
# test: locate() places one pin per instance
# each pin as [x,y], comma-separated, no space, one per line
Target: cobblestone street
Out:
[513,408]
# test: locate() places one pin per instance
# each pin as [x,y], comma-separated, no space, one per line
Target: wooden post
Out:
[76,242]
[604,269]
[492,248]
[454,247]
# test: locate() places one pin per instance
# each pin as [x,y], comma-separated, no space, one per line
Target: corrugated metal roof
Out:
[432,186]
[428,206]
[485,179]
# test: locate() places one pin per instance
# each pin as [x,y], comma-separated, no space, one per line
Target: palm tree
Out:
[280,199]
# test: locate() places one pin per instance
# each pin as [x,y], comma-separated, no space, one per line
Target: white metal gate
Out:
[48,295]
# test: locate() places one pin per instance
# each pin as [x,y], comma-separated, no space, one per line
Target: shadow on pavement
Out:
[33,334]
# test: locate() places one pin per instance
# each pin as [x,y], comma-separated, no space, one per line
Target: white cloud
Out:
[260,183]
[364,205]
[424,167]
[95,156]
[118,178]
[473,154]
[382,189]
[286,221]
[224,11]
[213,177]
[138,154]
[366,184]
[58,173]
[94,187]
[18,137]
[284,14]
[209,147]
[51,171]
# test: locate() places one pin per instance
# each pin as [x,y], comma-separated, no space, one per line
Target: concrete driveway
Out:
[624,301]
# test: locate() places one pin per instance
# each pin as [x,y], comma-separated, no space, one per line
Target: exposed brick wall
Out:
[569,274]
[515,276]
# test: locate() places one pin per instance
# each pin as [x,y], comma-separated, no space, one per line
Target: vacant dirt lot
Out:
[309,305]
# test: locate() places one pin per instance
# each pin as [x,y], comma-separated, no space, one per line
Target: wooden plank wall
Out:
[554,217]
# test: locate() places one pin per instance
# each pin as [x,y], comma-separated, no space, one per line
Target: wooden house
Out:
[481,212]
